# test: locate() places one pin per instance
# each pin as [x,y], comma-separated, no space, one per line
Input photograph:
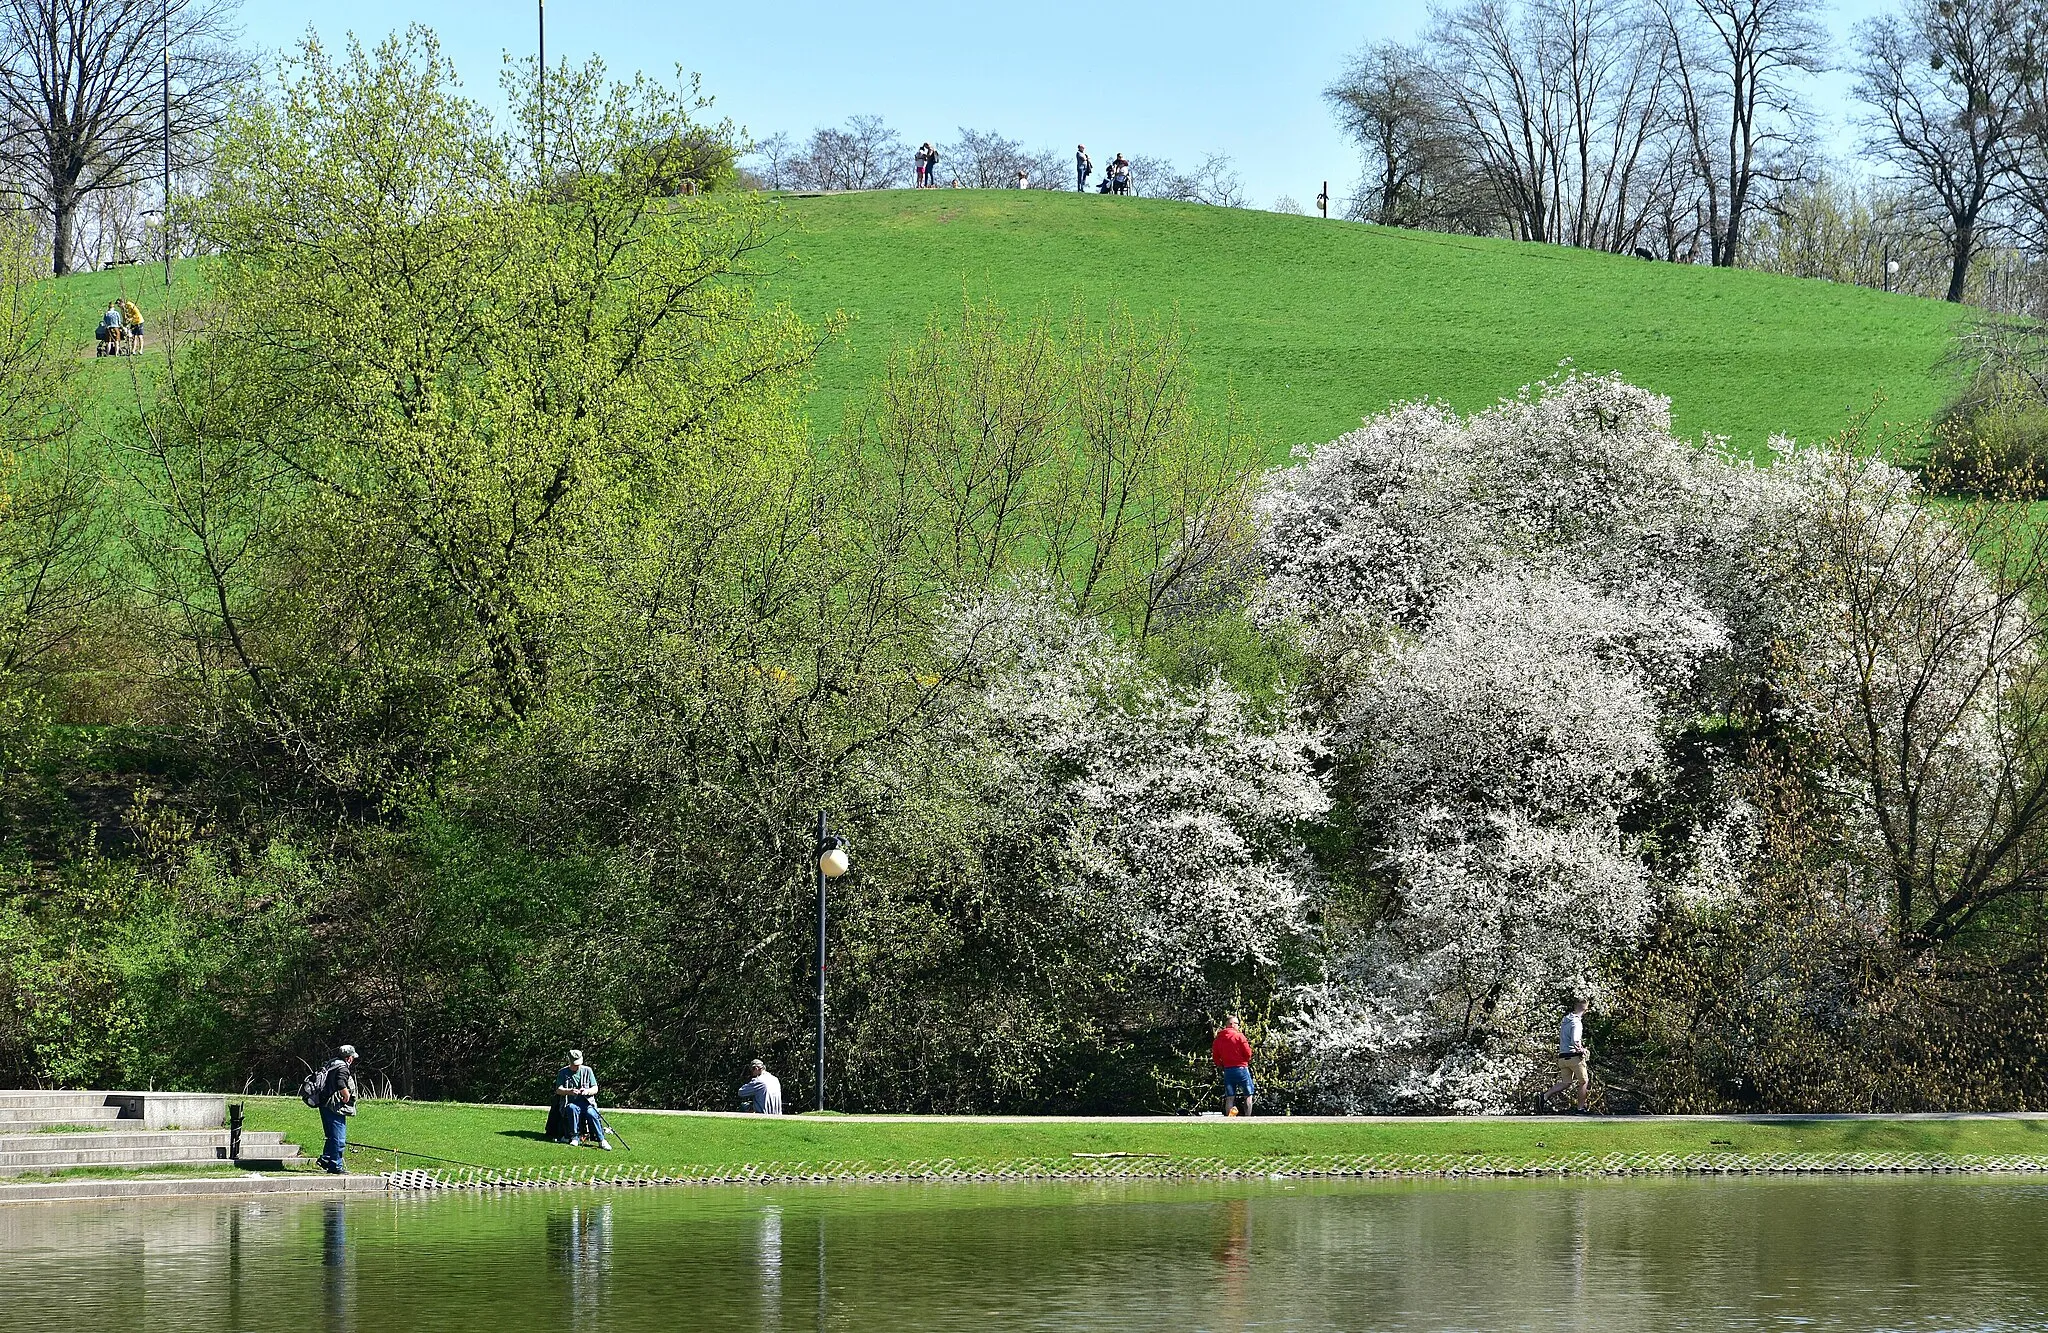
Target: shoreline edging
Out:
[1383,1166]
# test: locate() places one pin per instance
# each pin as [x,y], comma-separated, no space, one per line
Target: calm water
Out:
[1938,1253]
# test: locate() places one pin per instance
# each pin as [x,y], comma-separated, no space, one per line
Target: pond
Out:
[1817,1253]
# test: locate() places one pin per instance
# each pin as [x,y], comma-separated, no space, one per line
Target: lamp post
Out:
[541,8]
[830,863]
[167,141]
[1323,201]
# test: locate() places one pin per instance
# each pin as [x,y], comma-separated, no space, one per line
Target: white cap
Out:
[575,1057]
[348,1052]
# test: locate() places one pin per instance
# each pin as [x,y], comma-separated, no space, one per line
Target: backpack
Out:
[313,1089]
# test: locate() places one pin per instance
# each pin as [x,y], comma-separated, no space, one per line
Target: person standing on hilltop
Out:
[1233,1057]
[1084,167]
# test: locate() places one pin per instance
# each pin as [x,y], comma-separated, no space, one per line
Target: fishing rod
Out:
[425,1157]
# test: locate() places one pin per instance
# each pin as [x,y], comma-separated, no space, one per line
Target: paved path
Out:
[851,1119]
[187,1187]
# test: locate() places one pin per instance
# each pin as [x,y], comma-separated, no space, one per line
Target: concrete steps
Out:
[55,1131]
[29,1119]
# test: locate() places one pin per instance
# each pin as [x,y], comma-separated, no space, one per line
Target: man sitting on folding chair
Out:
[576,1119]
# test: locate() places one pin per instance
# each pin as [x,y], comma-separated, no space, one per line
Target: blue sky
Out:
[1136,76]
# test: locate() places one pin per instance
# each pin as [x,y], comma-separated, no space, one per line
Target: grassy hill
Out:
[1316,324]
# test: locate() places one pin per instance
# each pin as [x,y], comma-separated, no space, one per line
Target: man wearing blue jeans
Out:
[576,1085]
[1233,1057]
[337,1104]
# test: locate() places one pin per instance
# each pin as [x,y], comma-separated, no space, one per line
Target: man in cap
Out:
[337,1104]
[576,1085]
[762,1092]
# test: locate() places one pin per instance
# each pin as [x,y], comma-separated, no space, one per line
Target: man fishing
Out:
[576,1087]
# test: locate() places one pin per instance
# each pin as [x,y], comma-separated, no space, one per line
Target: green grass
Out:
[1317,324]
[1313,325]
[506,1138]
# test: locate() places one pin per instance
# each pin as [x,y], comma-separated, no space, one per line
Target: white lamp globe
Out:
[833,861]
[1891,266]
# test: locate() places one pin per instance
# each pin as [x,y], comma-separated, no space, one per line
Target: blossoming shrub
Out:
[1548,642]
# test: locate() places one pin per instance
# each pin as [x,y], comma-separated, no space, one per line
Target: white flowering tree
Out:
[1178,809]
[1523,625]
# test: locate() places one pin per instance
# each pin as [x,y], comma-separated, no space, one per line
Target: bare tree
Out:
[1563,106]
[81,93]
[863,154]
[1213,181]
[985,160]
[1151,175]
[775,161]
[1944,91]
[1418,170]
[1737,65]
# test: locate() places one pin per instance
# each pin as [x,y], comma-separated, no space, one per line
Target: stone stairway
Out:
[57,1131]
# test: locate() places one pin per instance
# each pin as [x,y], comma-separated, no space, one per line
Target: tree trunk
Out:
[63,206]
[1959,261]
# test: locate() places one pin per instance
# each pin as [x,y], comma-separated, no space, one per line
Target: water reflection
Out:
[333,1263]
[1924,1254]
[768,1263]
[580,1243]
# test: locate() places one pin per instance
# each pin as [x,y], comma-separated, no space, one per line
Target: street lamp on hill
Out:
[829,863]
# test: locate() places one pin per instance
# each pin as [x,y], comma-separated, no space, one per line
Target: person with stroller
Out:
[111,331]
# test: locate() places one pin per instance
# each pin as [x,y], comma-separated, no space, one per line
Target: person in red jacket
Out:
[1233,1057]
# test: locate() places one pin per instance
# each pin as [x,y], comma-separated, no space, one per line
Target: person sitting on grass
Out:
[576,1086]
[762,1092]
[131,319]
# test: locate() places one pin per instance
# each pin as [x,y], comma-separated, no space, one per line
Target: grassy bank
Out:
[1316,324]
[1311,324]
[498,1137]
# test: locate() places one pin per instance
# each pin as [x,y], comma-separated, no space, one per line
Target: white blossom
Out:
[1183,805]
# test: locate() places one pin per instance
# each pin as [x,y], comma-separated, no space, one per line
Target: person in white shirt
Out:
[1572,1058]
[763,1091]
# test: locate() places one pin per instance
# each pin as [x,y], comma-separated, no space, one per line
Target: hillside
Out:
[1317,324]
